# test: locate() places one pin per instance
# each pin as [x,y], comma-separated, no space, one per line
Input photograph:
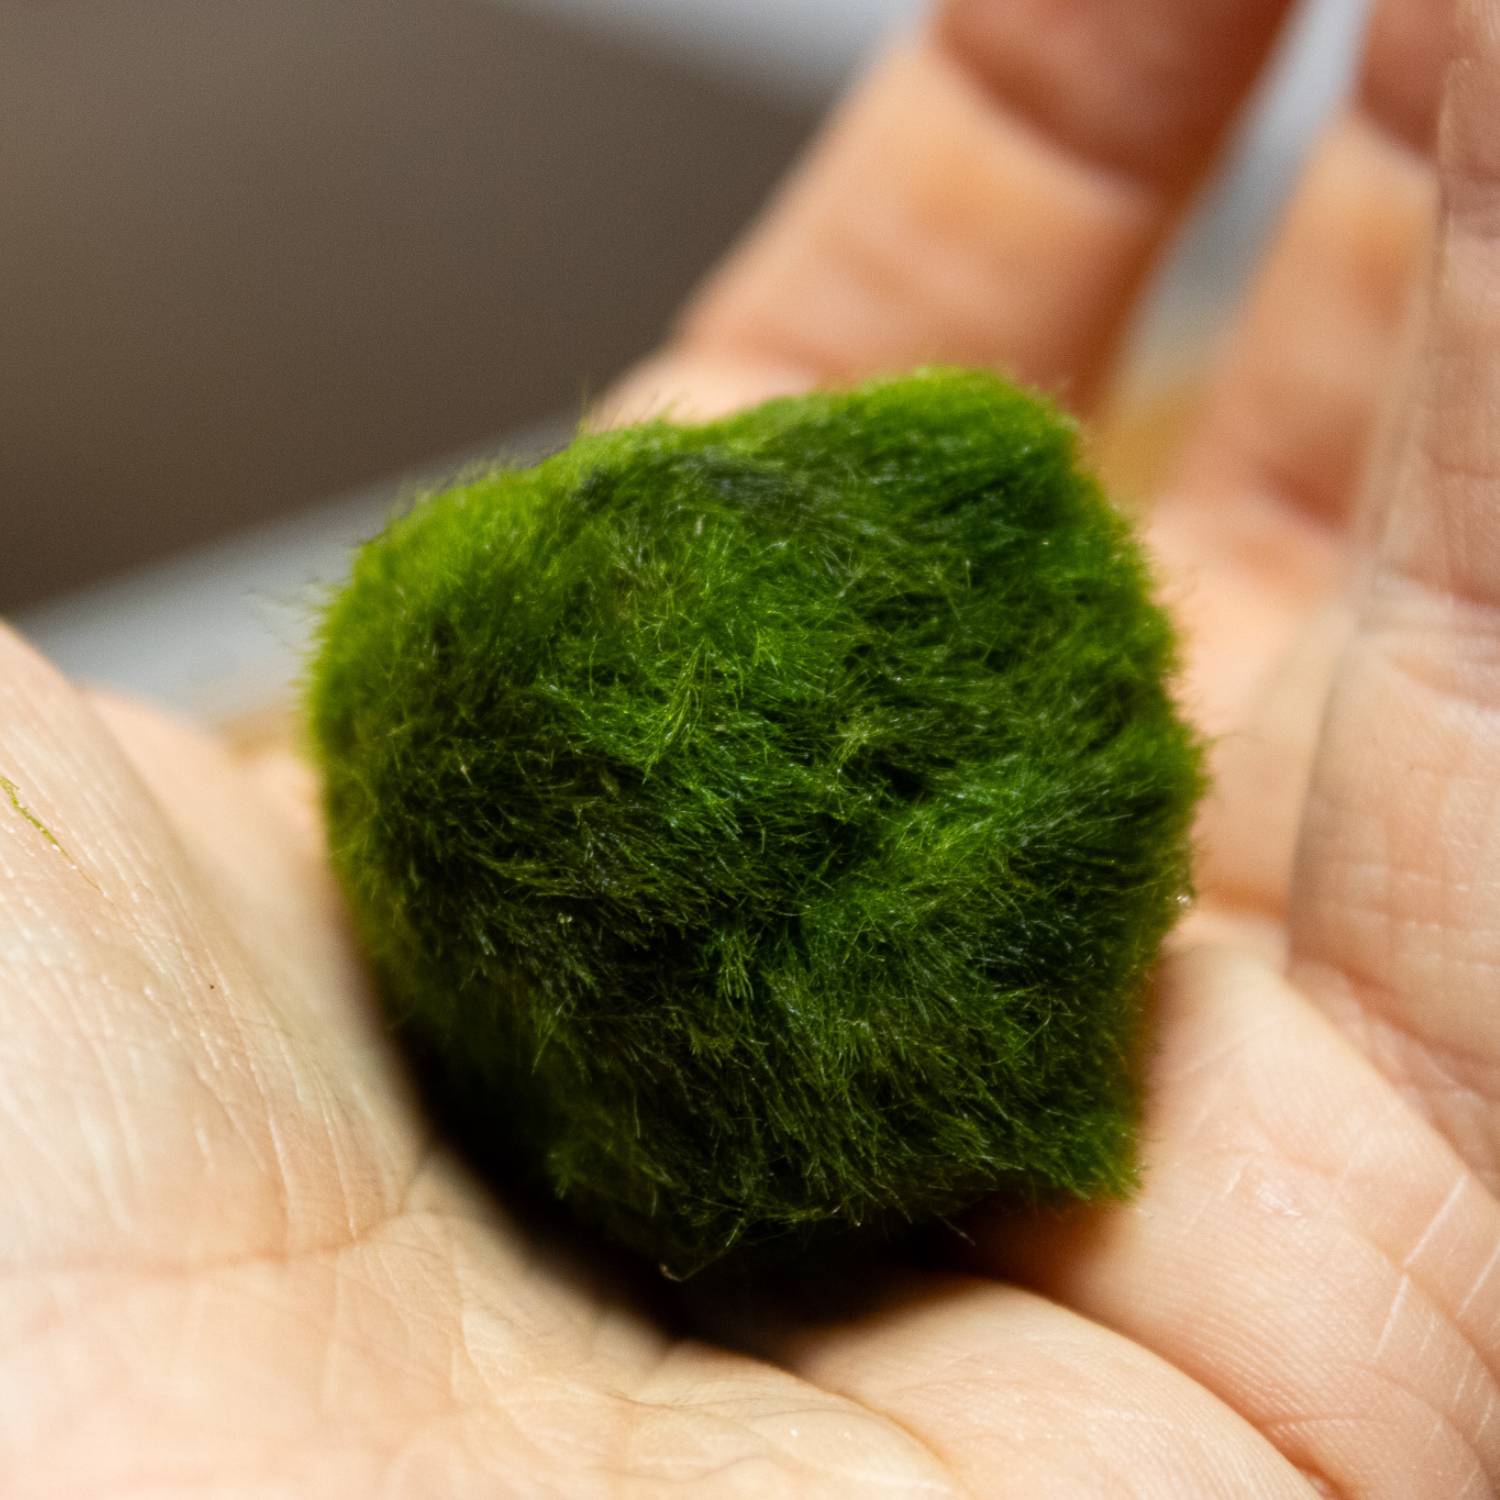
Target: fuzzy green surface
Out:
[767,826]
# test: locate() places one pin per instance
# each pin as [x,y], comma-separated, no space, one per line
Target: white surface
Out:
[223,631]
[1227,231]
[794,46]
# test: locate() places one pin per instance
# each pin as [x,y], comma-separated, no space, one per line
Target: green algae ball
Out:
[765,827]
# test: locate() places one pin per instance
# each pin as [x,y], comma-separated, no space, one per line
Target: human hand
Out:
[234,1262]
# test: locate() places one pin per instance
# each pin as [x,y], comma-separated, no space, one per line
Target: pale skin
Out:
[236,1264]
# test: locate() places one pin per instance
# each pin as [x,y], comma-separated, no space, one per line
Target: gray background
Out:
[253,252]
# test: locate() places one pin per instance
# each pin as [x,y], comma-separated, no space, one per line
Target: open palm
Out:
[233,1262]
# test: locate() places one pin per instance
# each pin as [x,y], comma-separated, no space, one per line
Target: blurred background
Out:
[266,266]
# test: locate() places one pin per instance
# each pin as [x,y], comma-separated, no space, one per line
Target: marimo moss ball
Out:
[765,828]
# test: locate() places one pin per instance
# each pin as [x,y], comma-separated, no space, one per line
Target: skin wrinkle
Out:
[1408,1285]
[1060,1360]
[1415,1051]
[1111,1476]
[1401,1266]
[107,1049]
[336,1259]
[1389,1381]
[1405,615]
[168,1268]
[1400,1271]
[826,1407]
[1479,1280]
[830,1406]
[1470,1181]
[1443,1425]
[1377,996]
[924,1445]
[1461,1183]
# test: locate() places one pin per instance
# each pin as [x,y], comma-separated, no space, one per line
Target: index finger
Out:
[993,194]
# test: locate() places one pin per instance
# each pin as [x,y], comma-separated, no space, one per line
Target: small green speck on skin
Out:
[13,794]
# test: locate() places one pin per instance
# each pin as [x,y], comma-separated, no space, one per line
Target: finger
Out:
[161,1101]
[1278,459]
[1289,412]
[998,1381]
[1395,920]
[1305,1246]
[993,195]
